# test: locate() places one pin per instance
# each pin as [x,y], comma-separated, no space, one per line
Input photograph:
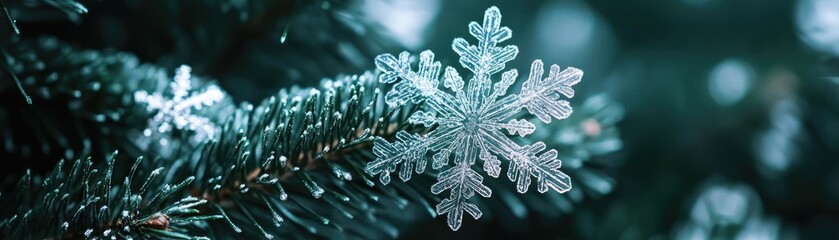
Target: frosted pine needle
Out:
[470,122]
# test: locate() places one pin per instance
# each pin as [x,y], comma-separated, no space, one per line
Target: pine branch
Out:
[299,156]
[84,201]
[338,125]
[83,105]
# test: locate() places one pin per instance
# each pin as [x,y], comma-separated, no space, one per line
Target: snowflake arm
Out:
[463,183]
[416,85]
[541,96]
[425,118]
[525,161]
[408,150]
[544,167]
[486,58]
[177,112]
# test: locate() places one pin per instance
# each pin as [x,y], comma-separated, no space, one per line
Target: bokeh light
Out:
[817,21]
[729,81]
[406,21]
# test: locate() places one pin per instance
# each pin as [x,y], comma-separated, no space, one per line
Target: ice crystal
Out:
[469,123]
[177,112]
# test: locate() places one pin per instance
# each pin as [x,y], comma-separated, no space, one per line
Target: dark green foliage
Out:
[280,42]
[82,103]
[322,133]
[86,201]
[325,133]
[299,156]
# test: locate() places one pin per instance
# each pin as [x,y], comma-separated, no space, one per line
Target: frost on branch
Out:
[177,112]
[474,123]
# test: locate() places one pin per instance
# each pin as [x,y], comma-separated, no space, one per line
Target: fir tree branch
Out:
[299,156]
[84,201]
[325,133]
[84,106]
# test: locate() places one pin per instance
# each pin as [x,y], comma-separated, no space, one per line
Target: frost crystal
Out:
[176,113]
[470,122]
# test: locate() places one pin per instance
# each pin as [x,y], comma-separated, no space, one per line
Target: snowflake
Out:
[469,123]
[176,113]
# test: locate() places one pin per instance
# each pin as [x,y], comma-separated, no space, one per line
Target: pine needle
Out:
[12,73]
[9,17]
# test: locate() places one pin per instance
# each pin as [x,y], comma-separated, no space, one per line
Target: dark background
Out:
[716,92]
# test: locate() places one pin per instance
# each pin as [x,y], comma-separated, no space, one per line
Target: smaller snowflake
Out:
[177,112]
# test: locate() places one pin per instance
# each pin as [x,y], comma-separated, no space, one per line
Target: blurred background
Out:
[731,112]
[729,109]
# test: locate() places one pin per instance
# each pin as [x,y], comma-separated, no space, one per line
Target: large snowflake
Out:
[470,123]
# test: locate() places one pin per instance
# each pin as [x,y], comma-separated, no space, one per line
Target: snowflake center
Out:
[471,122]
